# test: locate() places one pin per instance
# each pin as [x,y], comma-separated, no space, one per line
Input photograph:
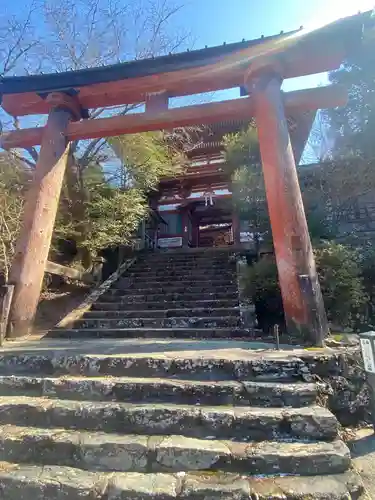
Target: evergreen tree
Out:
[352,126]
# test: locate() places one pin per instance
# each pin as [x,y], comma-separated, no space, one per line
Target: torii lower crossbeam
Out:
[299,101]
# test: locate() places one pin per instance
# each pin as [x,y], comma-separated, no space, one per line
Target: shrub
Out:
[340,279]
[341,282]
[260,280]
[367,254]
[260,283]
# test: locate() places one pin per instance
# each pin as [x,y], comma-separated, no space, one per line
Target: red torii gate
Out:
[259,66]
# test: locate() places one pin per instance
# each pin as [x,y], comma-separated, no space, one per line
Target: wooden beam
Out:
[68,272]
[203,114]
[303,304]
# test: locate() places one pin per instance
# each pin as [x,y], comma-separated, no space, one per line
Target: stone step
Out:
[114,295]
[115,303]
[185,360]
[241,423]
[175,255]
[179,288]
[162,274]
[25,482]
[149,333]
[134,453]
[201,312]
[223,258]
[134,390]
[209,257]
[184,266]
[171,285]
[180,322]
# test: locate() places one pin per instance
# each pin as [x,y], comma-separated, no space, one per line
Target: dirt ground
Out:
[55,303]
[362,447]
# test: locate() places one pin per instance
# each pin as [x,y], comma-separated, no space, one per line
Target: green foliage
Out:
[147,158]
[340,278]
[249,196]
[330,191]
[102,209]
[110,216]
[13,180]
[341,282]
[243,162]
[320,227]
[242,148]
[352,129]
[260,281]
[352,126]
[367,263]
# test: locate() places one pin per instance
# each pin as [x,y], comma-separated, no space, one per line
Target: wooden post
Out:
[195,231]
[185,228]
[236,228]
[39,215]
[303,305]
[6,294]
[156,102]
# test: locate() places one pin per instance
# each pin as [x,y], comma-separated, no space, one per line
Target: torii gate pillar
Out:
[302,299]
[40,209]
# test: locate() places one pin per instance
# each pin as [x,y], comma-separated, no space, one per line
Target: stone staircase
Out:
[180,295]
[128,404]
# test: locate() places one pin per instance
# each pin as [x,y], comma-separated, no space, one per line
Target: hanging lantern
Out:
[209,197]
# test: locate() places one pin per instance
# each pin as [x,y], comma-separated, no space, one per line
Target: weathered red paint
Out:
[228,72]
[301,100]
[39,216]
[289,227]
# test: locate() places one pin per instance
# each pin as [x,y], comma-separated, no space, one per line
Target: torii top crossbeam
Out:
[258,66]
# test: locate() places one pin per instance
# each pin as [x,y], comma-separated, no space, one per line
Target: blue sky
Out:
[213,22]
[216,21]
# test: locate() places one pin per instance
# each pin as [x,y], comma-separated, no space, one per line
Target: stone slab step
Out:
[241,423]
[114,295]
[177,283]
[149,333]
[175,256]
[180,322]
[163,275]
[225,258]
[115,303]
[193,276]
[185,267]
[181,287]
[163,313]
[25,482]
[134,453]
[188,360]
[138,390]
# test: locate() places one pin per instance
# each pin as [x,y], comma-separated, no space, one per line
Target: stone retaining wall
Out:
[342,384]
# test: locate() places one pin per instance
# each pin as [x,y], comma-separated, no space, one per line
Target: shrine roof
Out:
[346,27]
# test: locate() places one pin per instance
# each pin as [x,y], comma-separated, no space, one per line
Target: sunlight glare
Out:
[337,9]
